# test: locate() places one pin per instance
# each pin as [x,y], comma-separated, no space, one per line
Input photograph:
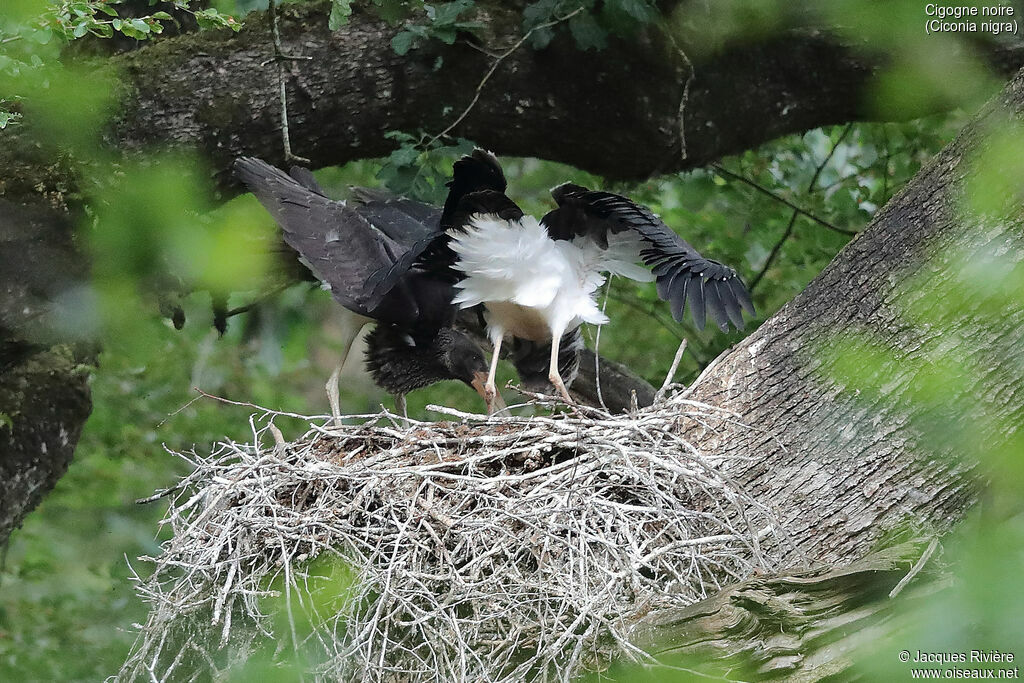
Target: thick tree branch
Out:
[219,92]
[44,400]
[843,464]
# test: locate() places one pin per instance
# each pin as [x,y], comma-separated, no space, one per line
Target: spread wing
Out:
[683,276]
[406,221]
[339,245]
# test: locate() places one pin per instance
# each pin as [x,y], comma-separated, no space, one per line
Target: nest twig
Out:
[501,549]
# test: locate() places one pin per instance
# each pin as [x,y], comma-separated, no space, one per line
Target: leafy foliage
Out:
[32,33]
[419,167]
[341,10]
[444,22]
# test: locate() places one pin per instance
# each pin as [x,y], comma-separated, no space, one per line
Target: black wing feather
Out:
[732,304]
[341,247]
[714,304]
[384,278]
[432,252]
[695,298]
[742,295]
[305,178]
[683,276]
[678,304]
[404,220]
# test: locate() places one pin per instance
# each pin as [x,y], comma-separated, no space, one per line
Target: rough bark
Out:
[44,401]
[44,393]
[218,92]
[841,464]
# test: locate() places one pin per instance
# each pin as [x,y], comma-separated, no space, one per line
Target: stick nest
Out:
[502,549]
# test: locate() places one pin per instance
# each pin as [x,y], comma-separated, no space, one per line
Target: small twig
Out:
[792,218]
[160,493]
[764,190]
[238,310]
[247,404]
[916,569]
[671,372]
[828,157]
[494,67]
[597,345]
[170,415]
[280,57]
[684,99]
[776,248]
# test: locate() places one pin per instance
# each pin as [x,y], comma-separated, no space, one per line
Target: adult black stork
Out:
[539,279]
[414,343]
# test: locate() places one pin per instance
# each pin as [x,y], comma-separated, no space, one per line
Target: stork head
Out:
[478,171]
[464,360]
[472,173]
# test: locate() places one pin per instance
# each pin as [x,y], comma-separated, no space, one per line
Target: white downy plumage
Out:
[534,287]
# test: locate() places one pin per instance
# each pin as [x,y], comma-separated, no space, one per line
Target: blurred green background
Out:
[66,599]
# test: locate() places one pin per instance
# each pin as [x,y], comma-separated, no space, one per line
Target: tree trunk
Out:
[44,401]
[841,464]
[44,392]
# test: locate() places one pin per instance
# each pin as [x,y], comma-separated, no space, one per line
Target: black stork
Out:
[539,279]
[414,343]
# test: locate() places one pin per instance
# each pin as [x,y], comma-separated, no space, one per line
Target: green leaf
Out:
[403,42]
[392,11]
[446,13]
[400,136]
[140,25]
[81,28]
[405,156]
[7,117]
[106,9]
[162,15]
[641,10]
[539,12]
[42,36]
[341,10]
[211,18]
[587,32]
[446,35]
[541,38]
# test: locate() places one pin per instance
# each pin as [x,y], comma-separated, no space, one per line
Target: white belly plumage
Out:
[528,281]
[534,287]
[519,321]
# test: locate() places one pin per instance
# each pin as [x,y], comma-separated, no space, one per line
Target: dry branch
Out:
[526,548]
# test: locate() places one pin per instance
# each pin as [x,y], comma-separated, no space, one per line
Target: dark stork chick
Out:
[400,365]
[538,279]
[415,343]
